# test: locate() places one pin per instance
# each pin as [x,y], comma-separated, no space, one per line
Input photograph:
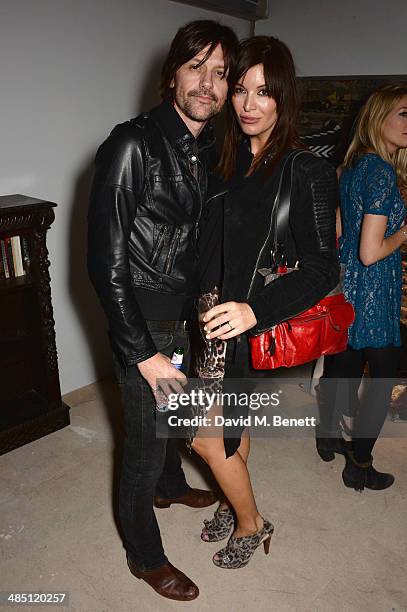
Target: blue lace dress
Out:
[370,186]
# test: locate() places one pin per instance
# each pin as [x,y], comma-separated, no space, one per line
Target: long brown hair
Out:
[280,81]
[190,40]
[368,135]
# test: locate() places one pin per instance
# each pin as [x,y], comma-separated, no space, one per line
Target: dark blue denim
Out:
[150,465]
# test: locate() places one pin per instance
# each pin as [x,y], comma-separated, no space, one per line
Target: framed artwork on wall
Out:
[246,9]
[329,108]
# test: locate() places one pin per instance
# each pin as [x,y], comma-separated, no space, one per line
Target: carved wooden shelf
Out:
[30,398]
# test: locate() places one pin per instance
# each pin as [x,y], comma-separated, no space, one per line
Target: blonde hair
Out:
[368,134]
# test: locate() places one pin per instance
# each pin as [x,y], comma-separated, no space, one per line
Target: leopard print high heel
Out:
[238,551]
[219,527]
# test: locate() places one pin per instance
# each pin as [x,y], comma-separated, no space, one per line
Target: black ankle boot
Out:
[327,436]
[360,475]
[327,447]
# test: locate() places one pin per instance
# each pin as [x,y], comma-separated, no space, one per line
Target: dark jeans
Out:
[346,371]
[150,465]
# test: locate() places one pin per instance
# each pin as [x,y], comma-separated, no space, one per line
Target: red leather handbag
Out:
[320,330]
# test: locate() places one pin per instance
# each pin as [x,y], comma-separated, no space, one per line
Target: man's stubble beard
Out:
[194,111]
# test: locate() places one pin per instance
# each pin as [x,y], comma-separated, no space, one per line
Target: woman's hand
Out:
[234,317]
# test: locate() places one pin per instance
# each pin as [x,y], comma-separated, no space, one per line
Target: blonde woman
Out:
[372,209]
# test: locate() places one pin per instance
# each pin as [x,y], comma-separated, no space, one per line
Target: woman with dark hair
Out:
[373,212]
[260,137]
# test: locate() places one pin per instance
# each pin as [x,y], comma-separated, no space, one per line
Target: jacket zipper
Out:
[272,329]
[262,249]
[260,331]
[196,227]
[217,195]
[160,238]
[172,251]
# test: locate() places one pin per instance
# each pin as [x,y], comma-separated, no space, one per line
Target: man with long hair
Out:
[147,196]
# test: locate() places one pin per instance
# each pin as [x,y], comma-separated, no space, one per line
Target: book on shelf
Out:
[10,260]
[4,261]
[14,256]
[17,256]
[2,270]
[25,251]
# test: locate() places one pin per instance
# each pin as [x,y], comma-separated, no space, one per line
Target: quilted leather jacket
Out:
[146,201]
[246,203]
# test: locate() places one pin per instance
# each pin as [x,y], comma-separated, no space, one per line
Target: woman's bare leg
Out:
[233,478]
[243,450]
[244,447]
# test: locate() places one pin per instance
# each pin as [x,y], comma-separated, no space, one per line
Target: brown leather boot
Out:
[167,581]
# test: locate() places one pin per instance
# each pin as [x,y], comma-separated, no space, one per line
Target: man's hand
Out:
[159,371]
[234,317]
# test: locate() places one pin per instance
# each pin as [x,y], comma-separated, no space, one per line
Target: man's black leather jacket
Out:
[149,187]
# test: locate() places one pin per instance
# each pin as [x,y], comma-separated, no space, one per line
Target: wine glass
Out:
[211,363]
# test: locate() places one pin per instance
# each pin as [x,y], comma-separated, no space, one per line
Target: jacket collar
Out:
[176,131]
[219,186]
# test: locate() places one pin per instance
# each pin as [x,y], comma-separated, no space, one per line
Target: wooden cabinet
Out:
[30,396]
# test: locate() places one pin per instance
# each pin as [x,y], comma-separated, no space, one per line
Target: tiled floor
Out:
[333,549]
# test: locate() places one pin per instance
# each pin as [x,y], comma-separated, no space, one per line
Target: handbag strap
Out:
[280,212]
[282,204]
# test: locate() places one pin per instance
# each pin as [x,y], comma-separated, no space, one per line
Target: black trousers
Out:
[339,393]
[150,465]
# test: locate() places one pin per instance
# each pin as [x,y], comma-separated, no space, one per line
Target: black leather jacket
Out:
[149,186]
[246,204]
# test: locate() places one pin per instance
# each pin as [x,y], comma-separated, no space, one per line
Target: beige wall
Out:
[341,38]
[69,71]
